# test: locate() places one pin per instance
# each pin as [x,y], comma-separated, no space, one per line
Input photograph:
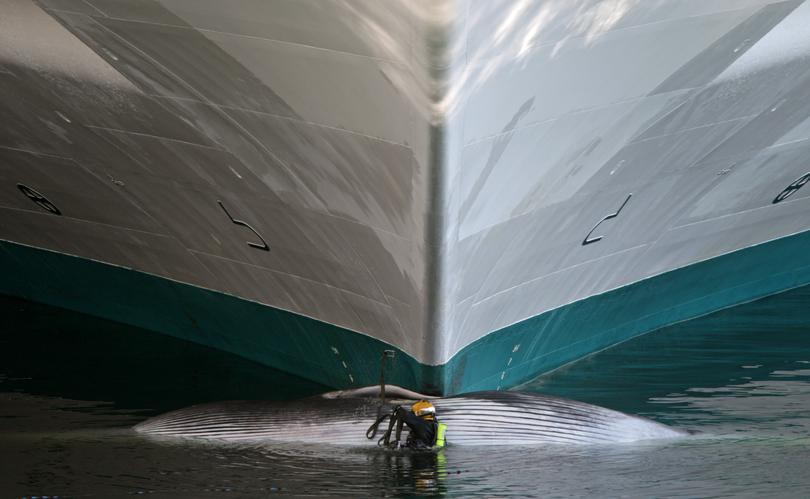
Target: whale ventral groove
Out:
[341,418]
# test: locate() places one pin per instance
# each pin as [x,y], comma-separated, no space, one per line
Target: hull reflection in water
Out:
[342,418]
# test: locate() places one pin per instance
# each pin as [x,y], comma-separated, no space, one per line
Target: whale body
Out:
[342,418]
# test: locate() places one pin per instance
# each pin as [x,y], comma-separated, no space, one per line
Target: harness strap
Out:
[400,422]
[394,426]
[385,441]
[372,430]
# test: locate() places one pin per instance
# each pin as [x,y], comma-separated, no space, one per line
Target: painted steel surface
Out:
[334,356]
[420,173]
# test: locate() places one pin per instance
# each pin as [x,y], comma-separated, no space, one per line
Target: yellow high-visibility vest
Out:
[440,436]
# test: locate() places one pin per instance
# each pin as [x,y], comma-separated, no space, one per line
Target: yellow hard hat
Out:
[424,409]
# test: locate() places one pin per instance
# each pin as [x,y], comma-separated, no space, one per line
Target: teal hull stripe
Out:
[276,338]
[306,347]
[568,333]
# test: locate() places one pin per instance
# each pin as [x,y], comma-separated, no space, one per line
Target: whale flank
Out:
[342,418]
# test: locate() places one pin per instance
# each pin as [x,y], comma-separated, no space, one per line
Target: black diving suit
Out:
[423,432]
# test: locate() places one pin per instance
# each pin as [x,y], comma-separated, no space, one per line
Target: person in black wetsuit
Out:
[421,420]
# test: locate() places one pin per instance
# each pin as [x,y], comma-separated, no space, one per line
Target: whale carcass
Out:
[342,418]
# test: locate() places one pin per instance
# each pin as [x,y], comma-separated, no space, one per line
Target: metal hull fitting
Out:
[482,419]
[491,188]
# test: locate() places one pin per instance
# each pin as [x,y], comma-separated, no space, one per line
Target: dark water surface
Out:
[72,386]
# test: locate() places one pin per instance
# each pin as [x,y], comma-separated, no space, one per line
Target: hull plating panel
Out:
[422,172]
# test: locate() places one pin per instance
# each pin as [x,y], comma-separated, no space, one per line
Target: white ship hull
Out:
[307,182]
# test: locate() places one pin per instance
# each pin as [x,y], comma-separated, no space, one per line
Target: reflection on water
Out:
[743,364]
[49,351]
[71,387]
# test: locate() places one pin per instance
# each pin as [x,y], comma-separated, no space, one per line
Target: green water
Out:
[71,386]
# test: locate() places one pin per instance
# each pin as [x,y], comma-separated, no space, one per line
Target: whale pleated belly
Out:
[482,418]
